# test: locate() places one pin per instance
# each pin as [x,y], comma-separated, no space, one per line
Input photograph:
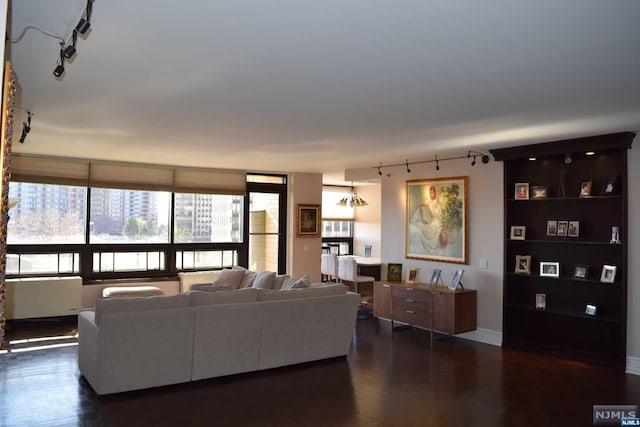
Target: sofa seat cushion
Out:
[210,298]
[310,292]
[117,305]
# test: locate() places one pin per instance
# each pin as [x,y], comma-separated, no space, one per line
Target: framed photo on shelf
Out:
[539,192]
[541,301]
[585,189]
[523,264]
[562,228]
[308,220]
[611,186]
[394,272]
[517,232]
[581,271]
[550,269]
[413,275]
[455,280]
[522,191]
[435,277]
[552,228]
[608,274]
[574,229]
[590,310]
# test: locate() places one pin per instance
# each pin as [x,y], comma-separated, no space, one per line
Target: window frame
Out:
[87,250]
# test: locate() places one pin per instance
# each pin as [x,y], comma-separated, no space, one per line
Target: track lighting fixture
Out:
[59,70]
[85,22]
[473,155]
[70,50]
[26,127]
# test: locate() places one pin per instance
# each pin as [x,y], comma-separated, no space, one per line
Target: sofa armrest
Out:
[195,277]
[88,346]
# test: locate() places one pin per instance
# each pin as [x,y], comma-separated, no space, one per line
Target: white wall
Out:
[367,228]
[303,253]
[485,231]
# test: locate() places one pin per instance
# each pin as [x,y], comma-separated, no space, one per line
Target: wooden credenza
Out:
[452,312]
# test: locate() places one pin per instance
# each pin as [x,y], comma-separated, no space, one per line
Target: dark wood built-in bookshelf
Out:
[563,327]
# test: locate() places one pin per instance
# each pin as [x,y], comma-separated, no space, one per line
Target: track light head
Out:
[69,51]
[407,163]
[379,171]
[485,159]
[473,163]
[59,71]
[83,26]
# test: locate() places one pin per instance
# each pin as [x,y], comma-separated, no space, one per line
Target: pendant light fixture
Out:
[353,201]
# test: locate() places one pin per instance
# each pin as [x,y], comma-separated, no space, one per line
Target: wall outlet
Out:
[483,264]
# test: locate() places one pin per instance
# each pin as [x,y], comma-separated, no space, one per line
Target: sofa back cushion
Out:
[233,297]
[117,305]
[319,291]
[278,281]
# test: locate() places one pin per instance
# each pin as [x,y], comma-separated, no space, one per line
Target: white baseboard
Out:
[633,365]
[486,336]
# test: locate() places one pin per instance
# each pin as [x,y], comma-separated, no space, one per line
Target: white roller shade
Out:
[330,197]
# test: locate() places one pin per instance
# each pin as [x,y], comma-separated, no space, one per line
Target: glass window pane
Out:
[46,214]
[263,252]
[129,216]
[267,179]
[214,259]
[210,218]
[51,263]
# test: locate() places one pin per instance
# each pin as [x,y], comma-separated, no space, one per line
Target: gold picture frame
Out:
[436,221]
[308,220]
[413,275]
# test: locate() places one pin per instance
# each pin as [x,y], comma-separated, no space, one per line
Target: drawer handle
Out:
[410,289]
[386,286]
[411,312]
[411,300]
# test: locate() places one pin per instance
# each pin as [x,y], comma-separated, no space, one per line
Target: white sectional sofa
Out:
[141,342]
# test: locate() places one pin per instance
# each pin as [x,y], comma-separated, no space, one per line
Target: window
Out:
[129,216]
[112,233]
[46,214]
[207,218]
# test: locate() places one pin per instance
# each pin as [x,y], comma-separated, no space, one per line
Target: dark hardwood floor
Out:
[386,380]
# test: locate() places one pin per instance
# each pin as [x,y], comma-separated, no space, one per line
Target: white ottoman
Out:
[131,291]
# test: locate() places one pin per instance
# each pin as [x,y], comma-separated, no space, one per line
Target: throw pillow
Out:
[300,283]
[249,276]
[264,280]
[229,277]
[279,281]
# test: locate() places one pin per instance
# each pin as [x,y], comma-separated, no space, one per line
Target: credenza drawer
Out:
[411,313]
[408,304]
[410,293]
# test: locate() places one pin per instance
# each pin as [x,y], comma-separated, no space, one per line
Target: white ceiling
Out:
[323,86]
